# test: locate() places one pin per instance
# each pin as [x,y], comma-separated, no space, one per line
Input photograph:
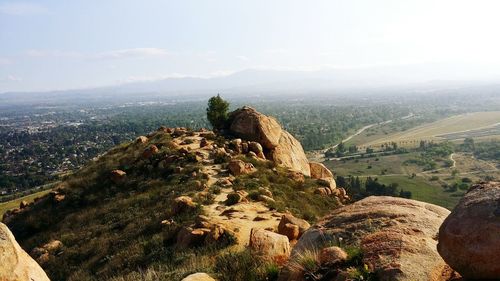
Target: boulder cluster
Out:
[276,244]
[265,139]
[43,253]
[277,144]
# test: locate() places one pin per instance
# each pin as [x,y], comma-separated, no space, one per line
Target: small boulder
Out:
[469,238]
[141,139]
[319,171]
[188,237]
[290,219]
[269,244]
[182,204]
[266,199]
[291,231]
[150,151]
[332,255]
[257,149]
[23,204]
[238,167]
[265,191]
[118,176]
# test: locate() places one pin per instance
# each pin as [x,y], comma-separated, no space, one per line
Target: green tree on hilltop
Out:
[217,112]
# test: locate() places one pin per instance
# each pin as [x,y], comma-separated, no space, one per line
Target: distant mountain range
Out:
[257,81]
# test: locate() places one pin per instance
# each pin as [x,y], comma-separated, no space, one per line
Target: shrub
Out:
[217,112]
[232,198]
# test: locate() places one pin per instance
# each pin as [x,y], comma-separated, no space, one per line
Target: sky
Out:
[50,45]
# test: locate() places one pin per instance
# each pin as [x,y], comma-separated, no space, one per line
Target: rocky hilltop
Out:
[196,205]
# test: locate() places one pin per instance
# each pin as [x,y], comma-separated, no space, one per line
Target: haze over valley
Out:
[249,140]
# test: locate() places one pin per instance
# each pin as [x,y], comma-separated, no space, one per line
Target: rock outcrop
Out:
[396,236]
[269,244]
[469,238]
[251,125]
[279,145]
[289,153]
[15,263]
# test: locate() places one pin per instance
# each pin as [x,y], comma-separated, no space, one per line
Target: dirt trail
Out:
[239,218]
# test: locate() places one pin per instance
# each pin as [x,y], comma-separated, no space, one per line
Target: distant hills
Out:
[420,78]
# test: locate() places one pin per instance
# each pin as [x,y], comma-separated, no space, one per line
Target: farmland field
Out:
[425,186]
[485,125]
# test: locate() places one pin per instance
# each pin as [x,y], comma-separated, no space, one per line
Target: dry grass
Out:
[452,124]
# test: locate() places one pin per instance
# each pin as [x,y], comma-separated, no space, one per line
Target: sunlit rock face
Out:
[279,145]
[15,263]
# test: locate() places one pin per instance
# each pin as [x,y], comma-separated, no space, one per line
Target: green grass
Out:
[392,164]
[422,190]
[391,169]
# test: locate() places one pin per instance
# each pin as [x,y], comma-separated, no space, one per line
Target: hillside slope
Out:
[172,203]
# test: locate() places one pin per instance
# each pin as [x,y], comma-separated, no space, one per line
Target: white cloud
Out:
[22,9]
[243,58]
[53,53]
[12,78]
[114,54]
[132,53]
[4,61]
[279,51]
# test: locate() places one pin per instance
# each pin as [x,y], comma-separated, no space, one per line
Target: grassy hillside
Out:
[113,230]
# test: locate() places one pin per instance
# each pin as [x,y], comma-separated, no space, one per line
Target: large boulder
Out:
[289,153]
[282,148]
[269,244]
[469,238]
[15,263]
[319,171]
[200,276]
[251,125]
[396,236]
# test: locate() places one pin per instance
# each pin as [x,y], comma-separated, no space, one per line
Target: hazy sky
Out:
[84,43]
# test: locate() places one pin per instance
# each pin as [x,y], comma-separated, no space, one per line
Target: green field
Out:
[424,185]
[480,124]
[423,190]
[4,207]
